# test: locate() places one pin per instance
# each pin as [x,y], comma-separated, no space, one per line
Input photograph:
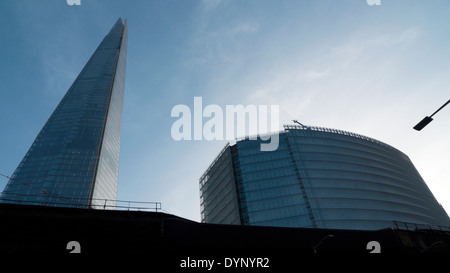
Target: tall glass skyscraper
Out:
[74,160]
[317,178]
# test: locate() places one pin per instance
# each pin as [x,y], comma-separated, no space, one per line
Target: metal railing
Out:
[83,203]
[416,227]
[288,127]
[126,205]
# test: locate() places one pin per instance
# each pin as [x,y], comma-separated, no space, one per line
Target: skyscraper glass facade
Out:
[269,185]
[219,202]
[325,178]
[74,160]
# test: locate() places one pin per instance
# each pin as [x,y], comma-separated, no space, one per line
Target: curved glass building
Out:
[317,178]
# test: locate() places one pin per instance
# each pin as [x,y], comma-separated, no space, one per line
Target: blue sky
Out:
[372,70]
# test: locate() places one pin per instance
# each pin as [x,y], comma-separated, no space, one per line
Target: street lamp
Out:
[424,122]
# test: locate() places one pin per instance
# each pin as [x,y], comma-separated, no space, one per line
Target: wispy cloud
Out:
[244,28]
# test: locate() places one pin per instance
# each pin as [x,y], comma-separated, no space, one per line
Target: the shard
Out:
[74,160]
